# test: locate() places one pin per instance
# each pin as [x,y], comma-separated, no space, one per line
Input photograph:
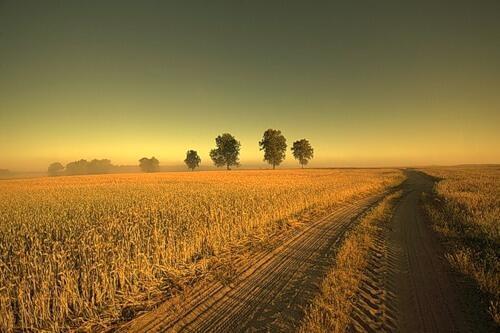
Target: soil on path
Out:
[268,296]
[409,286]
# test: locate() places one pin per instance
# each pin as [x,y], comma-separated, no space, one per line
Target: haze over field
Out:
[385,83]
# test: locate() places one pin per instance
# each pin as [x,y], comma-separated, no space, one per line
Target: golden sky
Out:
[384,83]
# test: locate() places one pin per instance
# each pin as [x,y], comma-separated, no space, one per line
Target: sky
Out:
[369,83]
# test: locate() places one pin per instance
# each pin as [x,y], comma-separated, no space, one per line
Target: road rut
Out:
[426,295]
[409,286]
[268,296]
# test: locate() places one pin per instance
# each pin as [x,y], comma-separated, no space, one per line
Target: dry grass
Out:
[87,250]
[466,212]
[331,310]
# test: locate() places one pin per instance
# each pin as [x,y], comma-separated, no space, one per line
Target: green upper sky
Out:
[369,83]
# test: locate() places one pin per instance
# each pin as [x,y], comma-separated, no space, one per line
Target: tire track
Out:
[408,286]
[375,309]
[278,266]
[229,307]
[269,295]
[285,270]
[198,297]
[428,298]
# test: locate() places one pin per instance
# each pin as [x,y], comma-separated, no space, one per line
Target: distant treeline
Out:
[81,167]
[225,154]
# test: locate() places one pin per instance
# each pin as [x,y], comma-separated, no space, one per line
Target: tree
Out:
[99,166]
[227,151]
[80,167]
[83,167]
[192,159]
[149,164]
[302,151]
[55,169]
[274,145]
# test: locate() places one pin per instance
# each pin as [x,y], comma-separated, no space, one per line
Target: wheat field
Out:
[79,250]
[466,211]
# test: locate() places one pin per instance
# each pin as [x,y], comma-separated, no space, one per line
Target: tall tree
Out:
[192,159]
[149,164]
[55,169]
[302,151]
[227,151]
[273,144]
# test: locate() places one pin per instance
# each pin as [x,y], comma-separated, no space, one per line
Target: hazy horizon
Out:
[258,165]
[382,84]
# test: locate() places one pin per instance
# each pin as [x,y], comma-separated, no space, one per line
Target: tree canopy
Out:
[302,151]
[55,169]
[273,144]
[149,164]
[80,167]
[99,166]
[192,159]
[227,151]
[83,167]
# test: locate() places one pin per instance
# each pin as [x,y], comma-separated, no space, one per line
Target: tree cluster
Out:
[273,143]
[149,164]
[81,167]
[225,154]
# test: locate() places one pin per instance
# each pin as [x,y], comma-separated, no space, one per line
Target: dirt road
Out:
[427,297]
[409,286]
[268,296]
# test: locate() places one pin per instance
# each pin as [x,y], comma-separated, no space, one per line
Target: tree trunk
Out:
[227,166]
[274,166]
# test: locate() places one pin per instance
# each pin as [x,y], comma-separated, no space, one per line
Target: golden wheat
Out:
[78,250]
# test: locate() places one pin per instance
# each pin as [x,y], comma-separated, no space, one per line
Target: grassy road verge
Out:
[331,310]
[465,211]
